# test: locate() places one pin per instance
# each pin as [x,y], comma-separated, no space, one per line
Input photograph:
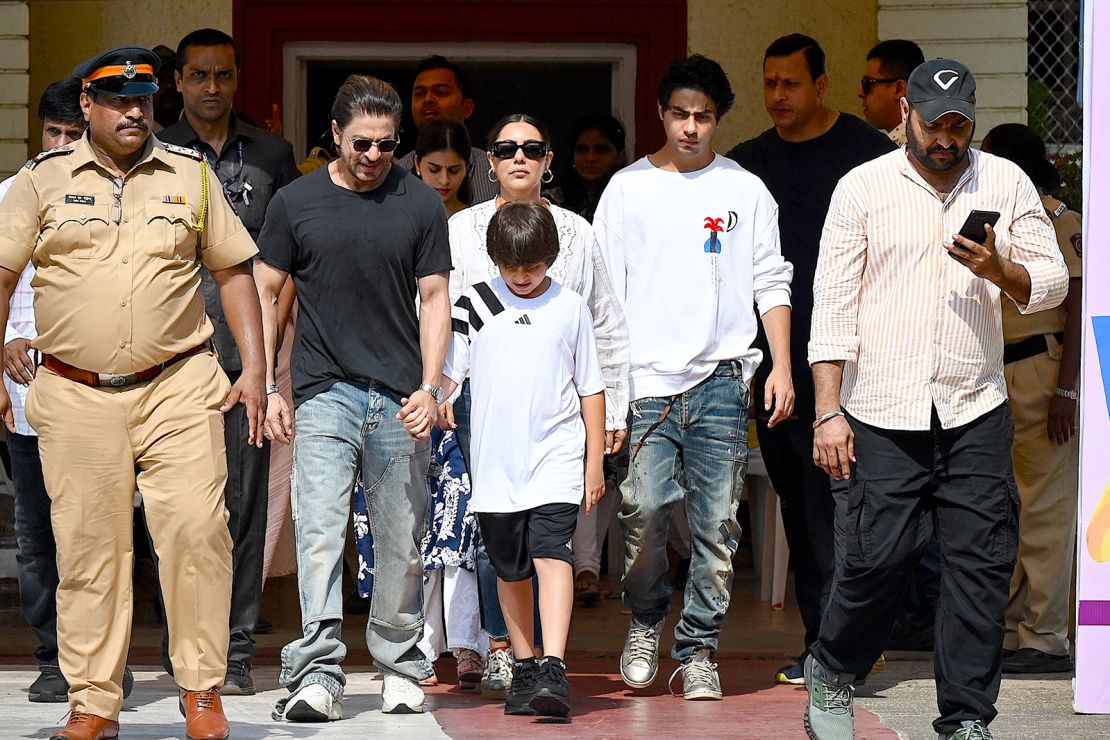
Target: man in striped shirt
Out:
[911,419]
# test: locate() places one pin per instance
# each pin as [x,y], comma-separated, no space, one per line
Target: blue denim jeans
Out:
[341,432]
[692,447]
[35,551]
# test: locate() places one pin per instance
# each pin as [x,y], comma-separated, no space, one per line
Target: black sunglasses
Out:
[507,149]
[385,146]
[869,82]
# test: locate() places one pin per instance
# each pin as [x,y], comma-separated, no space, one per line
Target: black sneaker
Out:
[1030,660]
[551,697]
[128,682]
[50,687]
[238,681]
[525,673]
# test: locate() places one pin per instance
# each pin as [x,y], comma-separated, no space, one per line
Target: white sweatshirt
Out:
[690,256]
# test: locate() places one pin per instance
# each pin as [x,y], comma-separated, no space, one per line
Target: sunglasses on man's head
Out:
[507,149]
[869,82]
[385,146]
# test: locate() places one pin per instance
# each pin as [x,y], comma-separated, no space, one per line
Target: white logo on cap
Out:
[944,85]
[129,70]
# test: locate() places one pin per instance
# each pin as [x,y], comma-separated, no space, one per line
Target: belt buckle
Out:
[113,380]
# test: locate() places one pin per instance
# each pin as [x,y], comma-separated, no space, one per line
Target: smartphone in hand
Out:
[974,226]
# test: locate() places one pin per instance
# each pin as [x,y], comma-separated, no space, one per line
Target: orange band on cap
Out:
[117,70]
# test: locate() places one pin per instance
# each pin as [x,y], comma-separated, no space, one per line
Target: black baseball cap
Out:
[941,86]
[128,71]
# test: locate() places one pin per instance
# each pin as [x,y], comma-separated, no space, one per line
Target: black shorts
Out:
[513,540]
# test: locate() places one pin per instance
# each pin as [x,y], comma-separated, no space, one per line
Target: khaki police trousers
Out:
[1039,611]
[164,437]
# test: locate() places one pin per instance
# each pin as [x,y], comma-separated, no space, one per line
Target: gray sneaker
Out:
[973,730]
[498,677]
[828,713]
[640,658]
[699,678]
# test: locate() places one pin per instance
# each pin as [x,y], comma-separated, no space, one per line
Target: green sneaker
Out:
[828,713]
[973,730]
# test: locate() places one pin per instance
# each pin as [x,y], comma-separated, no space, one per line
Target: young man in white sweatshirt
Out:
[691,242]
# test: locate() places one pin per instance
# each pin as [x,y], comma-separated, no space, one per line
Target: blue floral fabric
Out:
[452,526]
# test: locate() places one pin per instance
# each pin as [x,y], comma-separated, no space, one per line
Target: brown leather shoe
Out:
[82,726]
[204,715]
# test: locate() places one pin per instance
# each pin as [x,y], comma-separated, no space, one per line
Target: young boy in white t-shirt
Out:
[537,410]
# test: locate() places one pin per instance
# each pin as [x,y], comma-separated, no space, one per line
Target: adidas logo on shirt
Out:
[524,320]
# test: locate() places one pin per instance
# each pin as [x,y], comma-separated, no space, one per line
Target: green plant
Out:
[1039,106]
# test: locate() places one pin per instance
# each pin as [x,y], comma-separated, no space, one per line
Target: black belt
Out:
[1027,348]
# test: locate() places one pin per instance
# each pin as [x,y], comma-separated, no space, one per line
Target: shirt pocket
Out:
[169,232]
[77,231]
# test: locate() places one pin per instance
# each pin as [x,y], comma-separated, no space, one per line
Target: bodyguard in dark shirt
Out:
[801,159]
[251,164]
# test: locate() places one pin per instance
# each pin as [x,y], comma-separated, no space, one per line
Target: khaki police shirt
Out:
[1069,235]
[118,297]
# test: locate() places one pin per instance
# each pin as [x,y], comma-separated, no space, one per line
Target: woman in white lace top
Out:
[579,266]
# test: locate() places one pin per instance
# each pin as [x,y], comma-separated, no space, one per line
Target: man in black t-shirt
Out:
[801,159]
[361,239]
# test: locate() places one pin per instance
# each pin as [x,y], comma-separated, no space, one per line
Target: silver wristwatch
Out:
[432,390]
[1067,393]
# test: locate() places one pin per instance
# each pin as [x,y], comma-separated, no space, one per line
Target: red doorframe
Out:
[657,28]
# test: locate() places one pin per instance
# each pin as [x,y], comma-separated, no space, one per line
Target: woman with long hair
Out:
[598,153]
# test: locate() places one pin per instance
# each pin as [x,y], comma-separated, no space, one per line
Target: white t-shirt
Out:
[578,267]
[530,361]
[690,256]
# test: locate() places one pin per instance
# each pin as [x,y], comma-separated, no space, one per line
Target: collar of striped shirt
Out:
[916,330]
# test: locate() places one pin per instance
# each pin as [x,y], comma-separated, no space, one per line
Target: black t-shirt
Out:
[802,176]
[355,259]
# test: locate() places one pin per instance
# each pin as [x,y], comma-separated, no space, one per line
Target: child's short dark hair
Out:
[521,234]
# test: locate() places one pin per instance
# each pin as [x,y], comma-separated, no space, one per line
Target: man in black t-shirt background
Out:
[251,164]
[801,158]
[361,239]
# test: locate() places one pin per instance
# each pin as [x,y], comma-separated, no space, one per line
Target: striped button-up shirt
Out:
[21,325]
[916,329]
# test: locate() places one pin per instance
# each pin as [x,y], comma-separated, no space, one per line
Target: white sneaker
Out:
[311,703]
[401,695]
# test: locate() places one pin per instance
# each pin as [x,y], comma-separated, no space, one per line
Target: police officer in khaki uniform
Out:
[1042,371]
[130,394]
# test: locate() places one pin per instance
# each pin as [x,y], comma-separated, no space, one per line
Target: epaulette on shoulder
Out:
[184,151]
[48,154]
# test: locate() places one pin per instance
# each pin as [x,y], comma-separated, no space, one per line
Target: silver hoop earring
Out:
[548,176]
[491,175]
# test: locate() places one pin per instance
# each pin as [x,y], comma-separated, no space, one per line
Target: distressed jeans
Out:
[692,447]
[341,432]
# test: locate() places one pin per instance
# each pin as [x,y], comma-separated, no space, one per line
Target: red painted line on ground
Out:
[603,707]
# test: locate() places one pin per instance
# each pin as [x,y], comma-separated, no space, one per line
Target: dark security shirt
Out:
[250,156]
[801,176]
[355,259]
